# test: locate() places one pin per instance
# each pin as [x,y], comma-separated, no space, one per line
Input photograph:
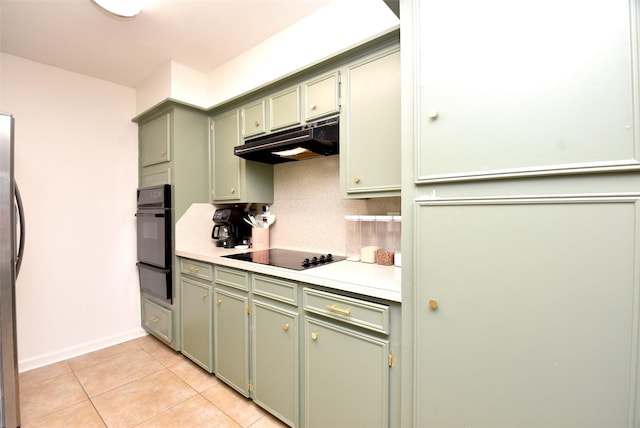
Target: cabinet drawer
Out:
[231,277]
[369,315]
[158,320]
[277,289]
[197,269]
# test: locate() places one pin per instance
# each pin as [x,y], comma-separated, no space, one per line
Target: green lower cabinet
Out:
[231,338]
[542,330]
[197,322]
[157,319]
[346,377]
[275,359]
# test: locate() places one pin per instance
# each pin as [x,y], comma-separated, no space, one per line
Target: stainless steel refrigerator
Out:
[11,250]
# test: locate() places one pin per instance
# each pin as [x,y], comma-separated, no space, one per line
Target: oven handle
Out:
[142,265]
[142,214]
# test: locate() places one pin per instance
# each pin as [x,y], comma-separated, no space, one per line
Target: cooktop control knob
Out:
[314,260]
[306,262]
[329,258]
[322,259]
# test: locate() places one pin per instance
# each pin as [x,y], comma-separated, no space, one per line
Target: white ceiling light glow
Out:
[124,8]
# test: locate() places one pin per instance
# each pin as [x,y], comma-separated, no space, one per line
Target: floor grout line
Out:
[168,361]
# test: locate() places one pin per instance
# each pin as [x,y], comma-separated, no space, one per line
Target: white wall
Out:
[76,164]
[154,88]
[335,28]
[314,38]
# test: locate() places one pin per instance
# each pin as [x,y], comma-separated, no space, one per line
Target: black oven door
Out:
[156,281]
[154,237]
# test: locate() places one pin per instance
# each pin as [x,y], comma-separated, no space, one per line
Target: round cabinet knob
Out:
[314,336]
[204,296]
[356,179]
[219,301]
[433,114]
[155,320]
[433,304]
[257,124]
[312,106]
[285,326]
[232,190]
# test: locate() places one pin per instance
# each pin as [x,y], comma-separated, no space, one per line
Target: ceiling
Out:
[78,36]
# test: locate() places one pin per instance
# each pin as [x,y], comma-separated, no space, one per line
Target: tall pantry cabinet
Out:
[173,149]
[521,270]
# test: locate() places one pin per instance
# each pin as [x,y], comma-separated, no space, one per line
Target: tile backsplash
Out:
[309,209]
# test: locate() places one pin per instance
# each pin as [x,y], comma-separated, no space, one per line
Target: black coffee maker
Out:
[229,229]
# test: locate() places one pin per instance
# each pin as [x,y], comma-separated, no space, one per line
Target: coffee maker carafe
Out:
[225,231]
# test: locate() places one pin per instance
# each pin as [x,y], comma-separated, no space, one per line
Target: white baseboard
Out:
[74,351]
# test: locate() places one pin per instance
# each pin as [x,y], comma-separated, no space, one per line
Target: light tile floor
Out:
[140,383]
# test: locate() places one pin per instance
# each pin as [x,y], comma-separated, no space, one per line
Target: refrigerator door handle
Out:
[22,229]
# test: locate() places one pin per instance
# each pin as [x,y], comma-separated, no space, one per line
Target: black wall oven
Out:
[155,255]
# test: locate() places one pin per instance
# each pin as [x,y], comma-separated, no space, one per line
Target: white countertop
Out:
[193,240]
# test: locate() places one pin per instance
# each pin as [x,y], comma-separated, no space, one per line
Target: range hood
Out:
[306,142]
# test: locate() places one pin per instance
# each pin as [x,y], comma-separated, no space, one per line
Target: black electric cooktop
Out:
[289,259]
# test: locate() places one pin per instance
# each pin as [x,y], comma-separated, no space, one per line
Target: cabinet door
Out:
[155,139]
[157,320]
[497,99]
[275,360]
[234,179]
[225,174]
[322,96]
[540,326]
[254,118]
[284,108]
[231,337]
[372,153]
[197,322]
[346,377]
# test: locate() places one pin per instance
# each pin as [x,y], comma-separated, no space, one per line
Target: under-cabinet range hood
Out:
[306,142]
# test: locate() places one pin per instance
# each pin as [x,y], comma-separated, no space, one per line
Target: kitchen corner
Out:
[193,241]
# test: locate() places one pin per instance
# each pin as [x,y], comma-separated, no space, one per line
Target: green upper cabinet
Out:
[499,97]
[284,108]
[370,133]
[173,144]
[225,166]
[234,179]
[322,96]
[155,139]
[253,118]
